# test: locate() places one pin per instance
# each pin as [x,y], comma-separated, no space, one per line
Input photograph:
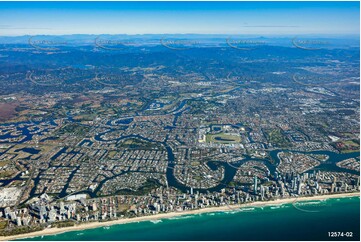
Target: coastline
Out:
[92,225]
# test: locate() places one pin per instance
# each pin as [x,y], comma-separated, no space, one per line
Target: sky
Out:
[266,18]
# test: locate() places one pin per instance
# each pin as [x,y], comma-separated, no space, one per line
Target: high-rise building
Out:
[262,192]
[255,184]
[299,187]
[333,186]
[94,206]
[18,221]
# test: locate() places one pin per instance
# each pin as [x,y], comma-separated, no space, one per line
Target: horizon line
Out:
[217,34]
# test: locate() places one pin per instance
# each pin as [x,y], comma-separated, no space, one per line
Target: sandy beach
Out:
[91,225]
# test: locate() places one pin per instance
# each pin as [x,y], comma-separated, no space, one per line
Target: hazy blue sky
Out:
[21,18]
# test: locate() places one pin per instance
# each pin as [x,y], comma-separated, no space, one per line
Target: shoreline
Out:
[92,225]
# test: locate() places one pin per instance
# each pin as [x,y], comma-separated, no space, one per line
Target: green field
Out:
[222,138]
[276,138]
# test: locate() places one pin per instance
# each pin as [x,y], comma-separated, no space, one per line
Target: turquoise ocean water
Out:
[311,220]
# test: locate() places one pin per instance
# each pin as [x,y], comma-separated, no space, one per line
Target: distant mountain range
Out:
[330,41]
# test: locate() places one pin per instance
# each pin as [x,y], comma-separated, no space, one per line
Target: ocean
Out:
[310,220]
